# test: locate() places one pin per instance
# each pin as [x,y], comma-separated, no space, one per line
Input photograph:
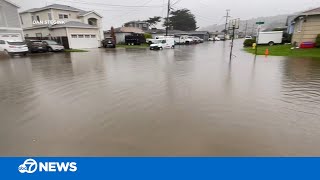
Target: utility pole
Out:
[225,27]
[167,23]
[234,24]
[246,28]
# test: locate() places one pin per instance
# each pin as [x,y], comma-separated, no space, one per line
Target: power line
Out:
[112,5]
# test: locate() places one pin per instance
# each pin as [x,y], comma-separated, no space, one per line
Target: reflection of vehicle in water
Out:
[159,44]
[108,43]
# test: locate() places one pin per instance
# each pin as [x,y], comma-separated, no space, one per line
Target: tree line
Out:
[181,19]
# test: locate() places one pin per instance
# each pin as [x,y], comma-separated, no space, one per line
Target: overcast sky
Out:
[208,12]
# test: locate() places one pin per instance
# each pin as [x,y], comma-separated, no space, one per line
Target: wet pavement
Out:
[190,101]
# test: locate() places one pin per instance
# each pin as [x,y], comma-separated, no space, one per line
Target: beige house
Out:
[306,26]
[10,26]
[72,27]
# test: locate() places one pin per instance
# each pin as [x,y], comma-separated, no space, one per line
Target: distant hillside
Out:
[270,23]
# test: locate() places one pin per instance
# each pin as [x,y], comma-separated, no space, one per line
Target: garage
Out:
[11,36]
[80,41]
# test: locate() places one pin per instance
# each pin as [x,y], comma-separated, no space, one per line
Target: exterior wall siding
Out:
[46,32]
[9,15]
[309,31]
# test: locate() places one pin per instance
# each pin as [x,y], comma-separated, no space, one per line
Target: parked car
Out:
[211,39]
[13,47]
[36,46]
[217,39]
[109,43]
[160,44]
[53,46]
[248,37]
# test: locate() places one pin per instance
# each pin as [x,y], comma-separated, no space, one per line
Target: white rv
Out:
[270,38]
[159,44]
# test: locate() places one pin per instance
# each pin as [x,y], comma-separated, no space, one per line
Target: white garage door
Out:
[82,41]
[11,36]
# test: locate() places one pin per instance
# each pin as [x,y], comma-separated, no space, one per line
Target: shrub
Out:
[249,42]
[147,36]
[318,41]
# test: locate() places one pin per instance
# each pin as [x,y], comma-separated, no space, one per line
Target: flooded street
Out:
[135,102]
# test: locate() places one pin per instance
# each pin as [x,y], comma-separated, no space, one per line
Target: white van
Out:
[159,44]
[270,38]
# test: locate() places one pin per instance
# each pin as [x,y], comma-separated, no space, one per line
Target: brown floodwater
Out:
[189,101]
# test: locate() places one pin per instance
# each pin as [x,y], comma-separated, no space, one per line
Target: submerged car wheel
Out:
[50,49]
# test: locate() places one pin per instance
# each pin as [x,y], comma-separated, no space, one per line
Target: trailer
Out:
[271,38]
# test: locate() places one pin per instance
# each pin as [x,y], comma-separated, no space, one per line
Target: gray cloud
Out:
[208,12]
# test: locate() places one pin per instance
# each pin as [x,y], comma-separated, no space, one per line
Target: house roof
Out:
[75,24]
[12,3]
[197,32]
[128,30]
[315,11]
[53,6]
[85,13]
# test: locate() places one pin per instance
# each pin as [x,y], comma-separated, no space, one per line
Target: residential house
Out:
[122,32]
[143,25]
[306,26]
[80,29]
[10,26]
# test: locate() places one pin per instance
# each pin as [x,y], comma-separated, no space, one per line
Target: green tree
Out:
[147,36]
[153,21]
[181,19]
[113,34]
[318,41]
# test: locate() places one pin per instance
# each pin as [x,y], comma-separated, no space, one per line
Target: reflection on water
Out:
[136,102]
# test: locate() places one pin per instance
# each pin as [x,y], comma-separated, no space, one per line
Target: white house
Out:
[10,26]
[81,29]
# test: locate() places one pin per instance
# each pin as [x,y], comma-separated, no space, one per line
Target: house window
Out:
[32,18]
[74,36]
[2,42]
[299,29]
[26,35]
[80,36]
[49,16]
[63,16]
[87,36]
[38,34]
[93,21]
[93,36]
[38,18]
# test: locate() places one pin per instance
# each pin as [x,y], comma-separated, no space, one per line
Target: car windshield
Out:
[52,42]
[16,43]
[36,42]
